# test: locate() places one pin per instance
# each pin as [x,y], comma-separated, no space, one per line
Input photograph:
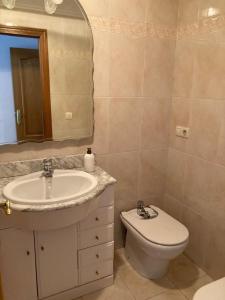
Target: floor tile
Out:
[140,287]
[182,271]
[170,295]
[189,291]
[183,279]
[117,291]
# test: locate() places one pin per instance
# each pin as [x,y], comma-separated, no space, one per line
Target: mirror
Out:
[46,73]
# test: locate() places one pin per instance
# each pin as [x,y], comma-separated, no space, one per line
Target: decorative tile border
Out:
[205,26]
[134,30]
[137,30]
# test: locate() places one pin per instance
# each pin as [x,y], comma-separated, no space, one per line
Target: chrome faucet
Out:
[151,213]
[141,210]
[48,169]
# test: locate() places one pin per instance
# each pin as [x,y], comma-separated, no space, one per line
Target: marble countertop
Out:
[103,178]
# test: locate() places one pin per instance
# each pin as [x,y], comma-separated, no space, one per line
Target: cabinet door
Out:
[17,265]
[56,252]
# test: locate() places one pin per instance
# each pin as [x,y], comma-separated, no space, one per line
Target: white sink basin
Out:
[64,186]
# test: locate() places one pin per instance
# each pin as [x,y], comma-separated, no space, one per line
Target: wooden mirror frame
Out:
[44,70]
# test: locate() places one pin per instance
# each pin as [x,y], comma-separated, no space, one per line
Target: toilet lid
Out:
[214,290]
[162,230]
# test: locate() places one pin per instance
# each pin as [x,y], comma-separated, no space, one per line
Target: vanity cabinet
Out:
[56,260]
[18,271]
[60,264]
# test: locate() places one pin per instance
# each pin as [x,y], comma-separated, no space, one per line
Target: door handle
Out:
[18,117]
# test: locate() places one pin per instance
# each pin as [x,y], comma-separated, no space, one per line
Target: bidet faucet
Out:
[141,210]
[48,169]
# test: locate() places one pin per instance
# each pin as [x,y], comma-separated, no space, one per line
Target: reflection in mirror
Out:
[46,75]
[24,86]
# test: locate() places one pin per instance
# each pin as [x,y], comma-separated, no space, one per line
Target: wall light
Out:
[50,5]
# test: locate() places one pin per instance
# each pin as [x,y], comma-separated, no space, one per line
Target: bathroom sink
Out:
[64,186]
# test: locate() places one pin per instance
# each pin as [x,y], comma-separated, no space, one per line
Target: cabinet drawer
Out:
[107,197]
[101,216]
[95,236]
[95,255]
[95,272]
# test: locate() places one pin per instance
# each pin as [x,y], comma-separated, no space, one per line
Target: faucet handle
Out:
[140,204]
[141,210]
[47,162]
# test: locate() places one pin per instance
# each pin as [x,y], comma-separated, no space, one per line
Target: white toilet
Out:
[214,290]
[152,243]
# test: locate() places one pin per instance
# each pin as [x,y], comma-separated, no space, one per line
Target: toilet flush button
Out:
[183,132]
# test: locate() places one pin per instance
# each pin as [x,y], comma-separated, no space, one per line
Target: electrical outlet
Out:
[183,132]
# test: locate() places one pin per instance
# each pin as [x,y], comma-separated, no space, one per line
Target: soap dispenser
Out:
[89,161]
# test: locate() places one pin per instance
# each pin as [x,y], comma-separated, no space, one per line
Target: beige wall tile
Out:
[209,71]
[175,177]
[188,12]
[215,256]
[217,203]
[184,69]
[124,167]
[198,238]
[220,158]
[126,66]
[159,62]
[155,125]
[134,10]
[96,7]
[173,207]
[221,151]
[152,167]
[163,12]
[206,116]
[124,125]
[180,115]
[198,184]
[205,5]
[101,126]
[101,63]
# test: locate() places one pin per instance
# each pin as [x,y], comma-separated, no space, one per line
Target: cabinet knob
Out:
[28,252]
[97,255]
[42,248]
[97,237]
[97,272]
[96,219]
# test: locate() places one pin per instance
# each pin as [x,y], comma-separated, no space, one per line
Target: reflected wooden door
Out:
[28,96]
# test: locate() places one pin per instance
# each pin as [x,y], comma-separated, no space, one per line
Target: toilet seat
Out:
[214,290]
[162,230]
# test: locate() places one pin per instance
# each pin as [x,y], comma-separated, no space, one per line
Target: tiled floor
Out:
[181,282]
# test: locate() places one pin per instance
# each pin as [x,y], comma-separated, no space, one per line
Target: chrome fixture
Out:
[141,210]
[10,4]
[48,169]
[6,206]
[151,213]
[50,5]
